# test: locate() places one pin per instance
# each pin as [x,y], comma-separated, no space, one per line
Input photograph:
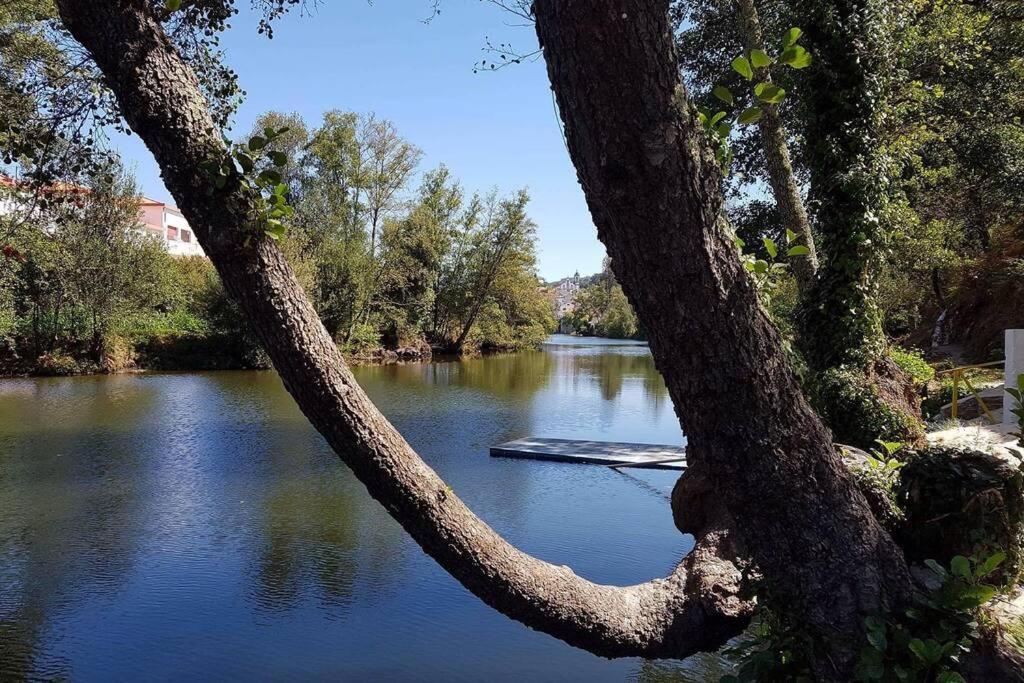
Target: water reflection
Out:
[197,522]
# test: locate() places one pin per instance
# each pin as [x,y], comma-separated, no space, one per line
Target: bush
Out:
[913,363]
[118,354]
[57,364]
[853,406]
[963,502]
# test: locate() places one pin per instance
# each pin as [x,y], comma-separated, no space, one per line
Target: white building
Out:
[166,223]
[156,219]
[565,296]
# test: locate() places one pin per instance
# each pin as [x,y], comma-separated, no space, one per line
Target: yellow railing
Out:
[960,375]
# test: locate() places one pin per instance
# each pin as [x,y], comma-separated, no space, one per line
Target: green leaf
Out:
[717,117]
[741,66]
[798,250]
[724,94]
[769,245]
[790,37]
[796,57]
[172,5]
[257,142]
[889,446]
[790,236]
[279,158]
[961,566]
[760,266]
[270,177]
[949,677]
[281,189]
[770,93]
[990,564]
[723,129]
[876,637]
[275,229]
[976,596]
[760,59]
[245,161]
[750,115]
[918,647]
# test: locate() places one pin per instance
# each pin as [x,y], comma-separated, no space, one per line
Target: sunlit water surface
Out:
[194,526]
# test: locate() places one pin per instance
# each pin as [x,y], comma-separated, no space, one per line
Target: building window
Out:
[172,232]
[186,235]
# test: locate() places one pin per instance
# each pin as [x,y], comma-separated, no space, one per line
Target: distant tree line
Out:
[393,270]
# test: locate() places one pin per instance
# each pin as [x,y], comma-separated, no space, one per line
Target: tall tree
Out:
[857,388]
[775,143]
[763,471]
[388,163]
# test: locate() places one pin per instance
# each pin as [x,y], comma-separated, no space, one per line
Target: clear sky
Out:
[491,128]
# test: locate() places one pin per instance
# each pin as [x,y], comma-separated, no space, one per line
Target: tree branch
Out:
[695,608]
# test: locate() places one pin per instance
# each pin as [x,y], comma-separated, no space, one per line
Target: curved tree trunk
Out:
[694,609]
[652,188]
[653,191]
[776,154]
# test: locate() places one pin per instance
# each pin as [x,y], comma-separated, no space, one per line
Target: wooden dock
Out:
[607,453]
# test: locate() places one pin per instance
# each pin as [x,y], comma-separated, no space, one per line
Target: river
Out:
[194,526]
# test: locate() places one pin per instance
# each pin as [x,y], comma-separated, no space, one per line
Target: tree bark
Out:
[776,152]
[844,95]
[695,608]
[653,190]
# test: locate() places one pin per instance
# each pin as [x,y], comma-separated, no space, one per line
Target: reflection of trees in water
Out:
[68,533]
[610,369]
[515,375]
[702,667]
[518,375]
[319,533]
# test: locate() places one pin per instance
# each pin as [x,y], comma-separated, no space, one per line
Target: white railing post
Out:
[1014,367]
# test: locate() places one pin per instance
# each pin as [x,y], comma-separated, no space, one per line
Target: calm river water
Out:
[194,526]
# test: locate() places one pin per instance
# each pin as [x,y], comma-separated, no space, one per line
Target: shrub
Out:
[963,502]
[57,364]
[856,411]
[913,363]
[118,354]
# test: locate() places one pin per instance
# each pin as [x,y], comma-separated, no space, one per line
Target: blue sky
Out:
[491,128]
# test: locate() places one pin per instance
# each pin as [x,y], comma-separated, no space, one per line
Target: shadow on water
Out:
[195,526]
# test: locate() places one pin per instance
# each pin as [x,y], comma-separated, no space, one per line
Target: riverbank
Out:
[203,353]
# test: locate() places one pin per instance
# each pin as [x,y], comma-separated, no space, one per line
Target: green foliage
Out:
[877,478]
[923,642]
[852,406]
[928,640]
[771,650]
[771,274]
[913,363]
[242,165]
[963,502]
[602,310]
[757,63]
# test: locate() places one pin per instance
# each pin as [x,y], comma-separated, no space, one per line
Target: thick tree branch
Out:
[693,609]
[653,191]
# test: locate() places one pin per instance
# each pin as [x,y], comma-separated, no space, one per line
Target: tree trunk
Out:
[845,88]
[776,153]
[863,394]
[653,190]
[696,608]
